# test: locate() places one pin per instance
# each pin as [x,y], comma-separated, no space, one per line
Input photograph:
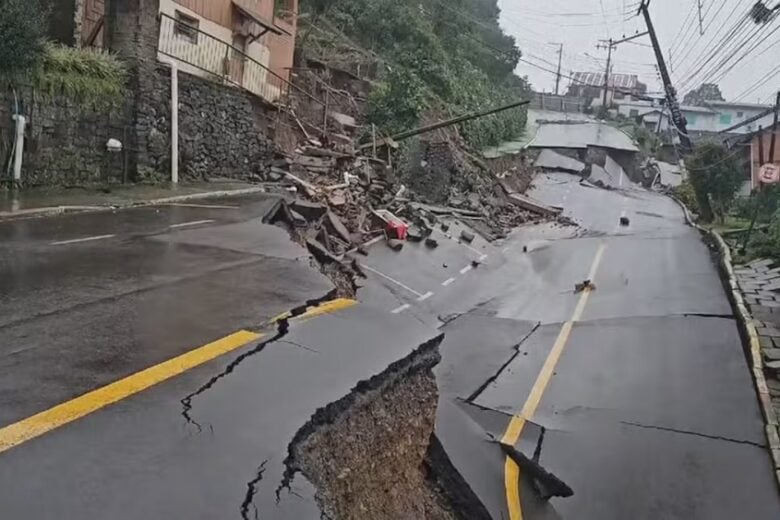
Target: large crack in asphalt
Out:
[282,328]
[251,491]
[476,393]
[695,434]
[373,453]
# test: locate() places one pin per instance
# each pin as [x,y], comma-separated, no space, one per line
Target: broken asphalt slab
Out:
[141,458]
[551,160]
[476,349]
[582,135]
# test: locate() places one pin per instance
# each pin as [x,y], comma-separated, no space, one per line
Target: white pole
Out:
[174,123]
[20,122]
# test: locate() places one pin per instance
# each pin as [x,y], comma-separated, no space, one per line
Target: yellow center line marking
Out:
[324,308]
[515,427]
[69,411]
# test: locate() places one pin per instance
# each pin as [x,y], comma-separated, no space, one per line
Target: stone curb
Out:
[745,321]
[59,210]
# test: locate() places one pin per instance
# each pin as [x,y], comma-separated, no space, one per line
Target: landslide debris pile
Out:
[336,160]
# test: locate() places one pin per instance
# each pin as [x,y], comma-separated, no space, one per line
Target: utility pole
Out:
[701,29]
[558,74]
[671,93]
[609,46]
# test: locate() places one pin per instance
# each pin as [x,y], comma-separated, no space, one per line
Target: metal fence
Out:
[205,55]
[557,103]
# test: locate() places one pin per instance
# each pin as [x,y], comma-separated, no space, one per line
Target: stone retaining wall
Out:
[65,143]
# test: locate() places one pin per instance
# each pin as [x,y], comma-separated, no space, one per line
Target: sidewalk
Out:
[53,201]
[759,282]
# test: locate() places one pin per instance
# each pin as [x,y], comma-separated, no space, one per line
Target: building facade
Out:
[262,30]
[246,43]
[713,118]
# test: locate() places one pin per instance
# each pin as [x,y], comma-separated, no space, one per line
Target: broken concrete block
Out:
[467,236]
[311,211]
[414,234]
[335,226]
[395,244]
[550,160]
[337,199]
[358,268]
[297,218]
[538,207]
[320,252]
[323,238]
[431,242]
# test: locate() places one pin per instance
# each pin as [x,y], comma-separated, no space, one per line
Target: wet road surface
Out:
[647,411]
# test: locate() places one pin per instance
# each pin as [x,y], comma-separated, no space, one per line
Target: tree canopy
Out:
[23,26]
[446,55]
[716,178]
[705,92]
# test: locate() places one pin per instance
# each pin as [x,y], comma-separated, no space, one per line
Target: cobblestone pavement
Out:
[759,282]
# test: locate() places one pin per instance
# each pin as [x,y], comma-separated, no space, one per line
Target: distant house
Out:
[590,85]
[714,118]
[732,113]
[752,142]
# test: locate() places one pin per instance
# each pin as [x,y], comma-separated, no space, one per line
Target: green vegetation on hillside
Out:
[440,57]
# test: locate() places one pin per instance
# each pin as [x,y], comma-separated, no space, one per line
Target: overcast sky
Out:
[539,25]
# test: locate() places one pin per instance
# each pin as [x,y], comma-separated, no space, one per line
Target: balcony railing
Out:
[206,55]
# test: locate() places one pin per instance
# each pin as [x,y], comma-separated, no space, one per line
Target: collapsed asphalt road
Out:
[636,394]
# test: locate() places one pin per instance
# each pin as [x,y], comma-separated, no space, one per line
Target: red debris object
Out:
[397,229]
[394,226]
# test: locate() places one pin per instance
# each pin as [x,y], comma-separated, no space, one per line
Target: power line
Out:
[736,31]
[612,12]
[740,61]
[677,41]
[689,40]
[604,18]
[714,70]
[760,83]
[714,47]
[531,42]
[504,53]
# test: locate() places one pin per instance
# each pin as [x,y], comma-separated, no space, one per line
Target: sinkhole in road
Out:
[373,453]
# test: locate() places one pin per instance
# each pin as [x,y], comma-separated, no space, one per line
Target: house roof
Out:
[693,108]
[596,79]
[737,104]
[581,135]
[246,8]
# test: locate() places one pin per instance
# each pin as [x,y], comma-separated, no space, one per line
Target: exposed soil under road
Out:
[366,455]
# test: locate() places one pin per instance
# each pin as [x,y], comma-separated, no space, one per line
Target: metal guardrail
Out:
[205,54]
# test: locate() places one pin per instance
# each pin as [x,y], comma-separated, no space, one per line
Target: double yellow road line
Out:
[516,425]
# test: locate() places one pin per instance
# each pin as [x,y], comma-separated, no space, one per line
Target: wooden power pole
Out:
[609,45]
[671,93]
[558,74]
